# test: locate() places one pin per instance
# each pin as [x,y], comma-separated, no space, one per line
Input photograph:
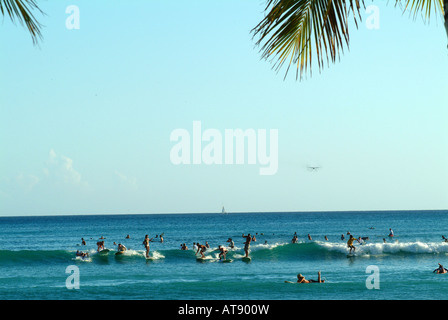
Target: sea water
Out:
[38,256]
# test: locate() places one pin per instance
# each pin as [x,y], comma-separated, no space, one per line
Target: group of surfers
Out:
[202,248]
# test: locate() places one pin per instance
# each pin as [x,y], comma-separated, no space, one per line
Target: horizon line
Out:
[219,213]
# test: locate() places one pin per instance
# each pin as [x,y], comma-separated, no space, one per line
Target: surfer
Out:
[326,238]
[309,237]
[231,243]
[82,254]
[391,232]
[222,252]
[444,239]
[440,270]
[350,243]
[100,245]
[183,246]
[121,248]
[294,238]
[301,279]
[247,244]
[146,244]
[201,248]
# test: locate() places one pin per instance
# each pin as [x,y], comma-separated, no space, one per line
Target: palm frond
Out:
[293,29]
[424,7]
[21,10]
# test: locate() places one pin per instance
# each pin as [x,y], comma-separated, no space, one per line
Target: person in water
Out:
[444,239]
[301,279]
[222,252]
[83,242]
[350,243]
[82,254]
[391,232]
[231,243]
[121,248]
[440,270]
[247,244]
[294,239]
[202,249]
[146,244]
[100,245]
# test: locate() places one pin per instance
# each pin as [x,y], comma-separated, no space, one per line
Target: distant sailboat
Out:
[223,210]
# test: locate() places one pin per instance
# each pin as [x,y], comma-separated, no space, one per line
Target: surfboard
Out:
[150,258]
[104,251]
[246,259]
[290,282]
[119,253]
[350,255]
[226,261]
[200,259]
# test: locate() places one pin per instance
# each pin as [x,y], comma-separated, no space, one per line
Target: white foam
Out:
[416,247]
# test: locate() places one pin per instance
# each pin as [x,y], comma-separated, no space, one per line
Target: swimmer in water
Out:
[301,279]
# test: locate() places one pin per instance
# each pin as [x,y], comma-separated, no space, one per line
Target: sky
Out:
[87,117]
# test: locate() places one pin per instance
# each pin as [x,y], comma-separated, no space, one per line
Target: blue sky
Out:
[86,117]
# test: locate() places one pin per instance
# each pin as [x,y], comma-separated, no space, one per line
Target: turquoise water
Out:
[36,252]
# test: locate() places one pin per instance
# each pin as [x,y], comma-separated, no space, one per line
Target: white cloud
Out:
[61,168]
[128,180]
[27,182]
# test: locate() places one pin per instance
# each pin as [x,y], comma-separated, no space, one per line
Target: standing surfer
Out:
[247,244]
[146,244]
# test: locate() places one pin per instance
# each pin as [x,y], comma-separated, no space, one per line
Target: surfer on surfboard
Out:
[350,243]
[202,249]
[440,270]
[100,245]
[301,279]
[222,252]
[247,244]
[146,244]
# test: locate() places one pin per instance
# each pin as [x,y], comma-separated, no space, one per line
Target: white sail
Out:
[223,210]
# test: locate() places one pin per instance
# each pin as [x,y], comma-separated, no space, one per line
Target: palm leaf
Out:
[21,10]
[293,29]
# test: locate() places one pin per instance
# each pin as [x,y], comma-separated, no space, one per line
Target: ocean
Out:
[38,257]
